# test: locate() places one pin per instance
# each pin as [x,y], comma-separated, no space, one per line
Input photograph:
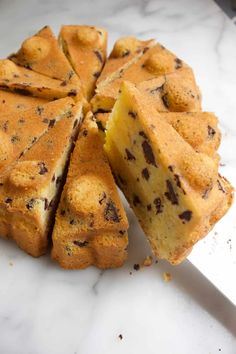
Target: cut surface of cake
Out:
[12,102]
[20,130]
[85,47]
[29,190]
[41,53]
[91,225]
[29,83]
[175,192]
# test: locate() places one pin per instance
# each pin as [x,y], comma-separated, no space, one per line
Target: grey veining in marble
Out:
[47,310]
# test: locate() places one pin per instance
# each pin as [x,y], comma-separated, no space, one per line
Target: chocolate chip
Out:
[158,205]
[101,110]
[149,207]
[33,140]
[30,204]
[73,222]
[132,114]
[21,120]
[70,74]
[98,55]
[14,139]
[102,197]
[145,50]
[5,126]
[75,123]
[69,114]
[148,153]
[8,200]
[97,74]
[171,168]
[178,63]
[64,83]
[165,101]
[46,204]
[80,243]
[129,155]
[211,132]
[39,110]
[136,267]
[42,168]
[100,126]
[72,93]
[177,180]
[51,123]
[145,174]
[111,212]
[186,215]
[136,200]
[122,232]
[85,132]
[171,195]
[62,212]
[141,133]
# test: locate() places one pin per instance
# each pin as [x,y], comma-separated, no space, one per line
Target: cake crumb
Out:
[136,266]
[167,277]
[147,261]
[120,336]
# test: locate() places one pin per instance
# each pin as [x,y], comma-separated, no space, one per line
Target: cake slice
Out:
[42,54]
[29,190]
[126,51]
[199,129]
[156,62]
[29,83]
[85,47]
[175,192]
[12,102]
[20,130]
[91,225]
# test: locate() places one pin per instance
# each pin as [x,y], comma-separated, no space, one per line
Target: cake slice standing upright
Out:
[91,225]
[175,192]
[29,191]
[85,47]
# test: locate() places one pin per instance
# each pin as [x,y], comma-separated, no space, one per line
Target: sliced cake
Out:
[29,190]
[175,192]
[41,53]
[156,62]
[91,225]
[126,51]
[20,130]
[12,102]
[85,47]
[29,83]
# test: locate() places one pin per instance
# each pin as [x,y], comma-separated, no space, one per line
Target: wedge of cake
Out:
[29,83]
[29,190]
[91,225]
[20,130]
[199,129]
[126,51]
[175,192]
[156,62]
[85,47]
[12,102]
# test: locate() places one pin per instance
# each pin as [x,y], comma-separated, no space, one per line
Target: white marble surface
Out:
[44,309]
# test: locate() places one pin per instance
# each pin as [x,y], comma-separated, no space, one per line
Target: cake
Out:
[85,48]
[29,190]
[91,225]
[175,192]
[12,102]
[29,83]
[20,130]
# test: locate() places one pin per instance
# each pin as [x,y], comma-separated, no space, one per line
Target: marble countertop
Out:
[47,310]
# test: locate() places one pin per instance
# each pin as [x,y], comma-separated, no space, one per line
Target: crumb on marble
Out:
[130,273]
[10,264]
[136,266]
[167,277]
[120,336]
[147,262]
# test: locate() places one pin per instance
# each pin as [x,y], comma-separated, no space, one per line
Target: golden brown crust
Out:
[91,225]
[29,191]
[85,47]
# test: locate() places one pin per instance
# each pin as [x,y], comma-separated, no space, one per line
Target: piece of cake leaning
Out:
[91,225]
[175,192]
[29,189]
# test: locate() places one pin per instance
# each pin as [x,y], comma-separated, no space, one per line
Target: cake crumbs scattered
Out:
[136,266]
[148,261]
[120,336]
[167,276]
